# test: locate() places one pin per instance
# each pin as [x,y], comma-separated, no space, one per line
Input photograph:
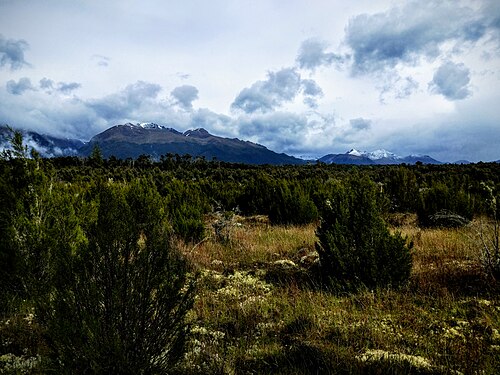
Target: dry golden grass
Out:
[252,242]
[447,319]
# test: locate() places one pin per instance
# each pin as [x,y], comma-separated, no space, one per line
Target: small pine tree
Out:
[354,244]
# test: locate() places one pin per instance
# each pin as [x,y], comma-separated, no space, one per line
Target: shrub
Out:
[490,236]
[120,302]
[354,244]
[291,205]
[442,206]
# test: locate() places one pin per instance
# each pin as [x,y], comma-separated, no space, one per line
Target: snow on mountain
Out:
[355,152]
[374,155]
[150,125]
[381,154]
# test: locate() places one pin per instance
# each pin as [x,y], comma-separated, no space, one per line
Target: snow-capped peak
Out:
[374,155]
[381,154]
[150,125]
[355,152]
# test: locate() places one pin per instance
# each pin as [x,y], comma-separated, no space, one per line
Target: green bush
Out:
[118,304]
[354,244]
[291,205]
[442,206]
[185,206]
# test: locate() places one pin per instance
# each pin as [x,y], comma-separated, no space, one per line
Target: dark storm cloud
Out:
[184,96]
[452,81]
[12,53]
[408,33]
[280,87]
[312,55]
[124,103]
[19,87]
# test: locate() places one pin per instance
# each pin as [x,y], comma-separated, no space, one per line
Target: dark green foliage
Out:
[286,202]
[402,190]
[24,202]
[445,206]
[185,207]
[291,205]
[118,304]
[354,244]
[96,159]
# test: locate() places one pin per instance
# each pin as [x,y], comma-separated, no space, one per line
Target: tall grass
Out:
[446,320]
[245,320]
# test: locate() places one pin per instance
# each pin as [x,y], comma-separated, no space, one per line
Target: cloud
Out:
[101,61]
[292,133]
[277,130]
[46,84]
[126,102]
[311,91]
[396,87]
[65,88]
[280,87]
[358,124]
[184,96]
[311,88]
[68,87]
[182,75]
[405,34]
[18,88]
[452,81]
[312,55]
[12,53]
[214,122]
[264,96]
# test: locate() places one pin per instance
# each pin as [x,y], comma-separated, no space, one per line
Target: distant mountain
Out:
[375,157]
[132,140]
[346,159]
[48,146]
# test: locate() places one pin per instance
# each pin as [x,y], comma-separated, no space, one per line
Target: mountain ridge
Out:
[377,157]
[132,140]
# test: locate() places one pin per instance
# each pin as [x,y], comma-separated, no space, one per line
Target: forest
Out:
[189,266]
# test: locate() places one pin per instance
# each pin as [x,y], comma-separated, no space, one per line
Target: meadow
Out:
[258,310]
[191,267]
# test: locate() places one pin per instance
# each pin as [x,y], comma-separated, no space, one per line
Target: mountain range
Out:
[376,157]
[132,140]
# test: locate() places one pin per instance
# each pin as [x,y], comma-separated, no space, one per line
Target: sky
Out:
[307,78]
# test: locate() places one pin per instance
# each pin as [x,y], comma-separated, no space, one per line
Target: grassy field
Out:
[259,310]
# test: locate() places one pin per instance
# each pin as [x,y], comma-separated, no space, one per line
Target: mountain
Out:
[47,145]
[132,140]
[424,159]
[346,159]
[375,157]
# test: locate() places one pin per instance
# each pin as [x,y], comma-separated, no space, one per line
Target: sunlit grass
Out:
[252,243]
